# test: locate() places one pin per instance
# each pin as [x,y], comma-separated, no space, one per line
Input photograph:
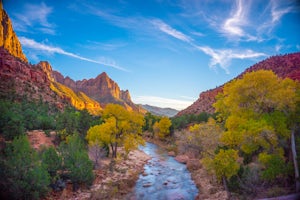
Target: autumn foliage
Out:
[120,128]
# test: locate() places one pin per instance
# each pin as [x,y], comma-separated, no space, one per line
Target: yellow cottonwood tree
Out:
[256,110]
[121,127]
[162,128]
[205,136]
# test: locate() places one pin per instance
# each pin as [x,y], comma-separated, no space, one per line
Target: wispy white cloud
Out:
[112,16]
[107,46]
[237,26]
[170,31]
[32,44]
[277,12]
[233,25]
[223,57]
[278,47]
[162,102]
[35,16]
[196,33]
[189,98]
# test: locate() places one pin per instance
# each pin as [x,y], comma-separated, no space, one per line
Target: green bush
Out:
[22,174]
[76,161]
[51,160]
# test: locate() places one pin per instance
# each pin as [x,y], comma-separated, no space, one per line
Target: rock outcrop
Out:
[8,38]
[19,79]
[285,66]
[102,89]
[77,99]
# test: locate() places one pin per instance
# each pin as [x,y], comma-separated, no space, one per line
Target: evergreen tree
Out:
[76,161]
[22,174]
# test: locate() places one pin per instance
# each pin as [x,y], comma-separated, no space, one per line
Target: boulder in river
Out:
[147,185]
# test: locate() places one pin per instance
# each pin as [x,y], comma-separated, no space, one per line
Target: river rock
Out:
[182,158]
[171,153]
[147,185]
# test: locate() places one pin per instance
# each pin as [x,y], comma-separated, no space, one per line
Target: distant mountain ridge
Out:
[285,66]
[168,112]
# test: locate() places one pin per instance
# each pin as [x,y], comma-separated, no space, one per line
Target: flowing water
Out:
[164,178]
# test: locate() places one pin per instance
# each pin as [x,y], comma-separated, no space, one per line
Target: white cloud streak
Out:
[233,24]
[277,13]
[223,57]
[29,43]
[162,102]
[34,17]
[170,31]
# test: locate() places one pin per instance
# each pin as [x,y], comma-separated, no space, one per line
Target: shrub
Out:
[76,161]
[22,174]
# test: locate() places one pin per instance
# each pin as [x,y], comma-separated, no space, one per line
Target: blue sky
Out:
[165,52]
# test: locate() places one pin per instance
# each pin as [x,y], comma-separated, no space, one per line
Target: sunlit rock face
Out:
[102,89]
[76,98]
[285,66]
[8,38]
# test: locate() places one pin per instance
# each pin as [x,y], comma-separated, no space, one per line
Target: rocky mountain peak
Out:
[8,38]
[102,89]
[47,68]
[125,95]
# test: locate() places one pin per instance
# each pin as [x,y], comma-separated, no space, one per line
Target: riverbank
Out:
[108,183]
[209,188]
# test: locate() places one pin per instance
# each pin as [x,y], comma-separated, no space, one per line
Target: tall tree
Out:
[121,127]
[162,128]
[206,137]
[76,161]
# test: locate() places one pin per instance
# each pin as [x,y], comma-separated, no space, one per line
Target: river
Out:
[164,178]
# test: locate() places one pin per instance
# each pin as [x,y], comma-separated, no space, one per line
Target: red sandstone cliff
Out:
[19,79]
[284,66]
[8,38]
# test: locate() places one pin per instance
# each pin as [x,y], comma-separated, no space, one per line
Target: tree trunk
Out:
[115,150]
[112,149]
[226,187]
[294,152]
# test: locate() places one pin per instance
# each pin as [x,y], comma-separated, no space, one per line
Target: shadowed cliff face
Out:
[8,38]
[286,66]
[19,79]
